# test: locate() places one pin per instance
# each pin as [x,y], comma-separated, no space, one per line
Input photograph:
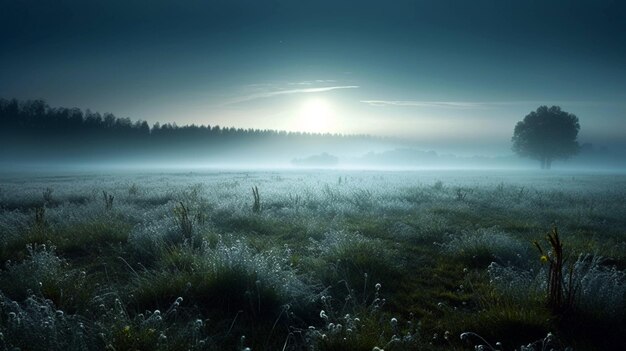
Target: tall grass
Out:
[485,245]
[256,205]
[262,273]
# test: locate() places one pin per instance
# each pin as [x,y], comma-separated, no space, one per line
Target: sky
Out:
[449,75]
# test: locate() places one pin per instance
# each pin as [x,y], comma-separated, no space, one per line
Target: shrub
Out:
[40,269]
[357,261]
[224,278]
[37,325]
[485,245]
[361,325]
[601,289]
[521,285]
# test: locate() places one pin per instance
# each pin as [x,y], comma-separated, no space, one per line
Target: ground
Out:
[324,260]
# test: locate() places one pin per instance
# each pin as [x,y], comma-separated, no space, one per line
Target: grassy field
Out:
[324,260]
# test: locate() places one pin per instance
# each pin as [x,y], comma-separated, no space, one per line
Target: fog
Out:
[35,135]
[283,153]
[312,175]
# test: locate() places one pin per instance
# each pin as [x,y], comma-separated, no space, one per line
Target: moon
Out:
[316,116]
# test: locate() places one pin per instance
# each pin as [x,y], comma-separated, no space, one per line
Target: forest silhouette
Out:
[34,131]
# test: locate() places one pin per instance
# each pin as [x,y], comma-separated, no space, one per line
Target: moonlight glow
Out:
[315,116]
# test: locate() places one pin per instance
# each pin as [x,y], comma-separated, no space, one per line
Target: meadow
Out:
[312,260]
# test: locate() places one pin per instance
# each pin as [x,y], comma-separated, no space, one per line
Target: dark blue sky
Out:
[441,72]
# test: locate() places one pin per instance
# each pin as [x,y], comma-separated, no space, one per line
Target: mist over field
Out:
[312,176]
[36,134]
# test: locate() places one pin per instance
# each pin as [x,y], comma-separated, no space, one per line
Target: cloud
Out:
[440,104]
[272,93]
[313,82]
[467,104]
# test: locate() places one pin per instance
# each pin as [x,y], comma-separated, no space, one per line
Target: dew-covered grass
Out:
[318,260]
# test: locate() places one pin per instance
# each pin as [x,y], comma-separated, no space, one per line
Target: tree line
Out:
[36,116]
[34,129]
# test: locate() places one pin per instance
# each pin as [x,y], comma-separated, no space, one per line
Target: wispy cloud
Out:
[273,93]
[439,104]
[313,82]
[465,104]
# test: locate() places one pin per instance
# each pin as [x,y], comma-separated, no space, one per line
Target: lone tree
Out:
[547,134]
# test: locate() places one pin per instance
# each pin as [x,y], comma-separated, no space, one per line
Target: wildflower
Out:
[377,286]
[126,329]
[543,258]
[323,314]
[394,322]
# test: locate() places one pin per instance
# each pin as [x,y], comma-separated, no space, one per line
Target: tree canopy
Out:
[547,134]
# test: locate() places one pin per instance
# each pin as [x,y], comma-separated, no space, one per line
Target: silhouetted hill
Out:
[322,160]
